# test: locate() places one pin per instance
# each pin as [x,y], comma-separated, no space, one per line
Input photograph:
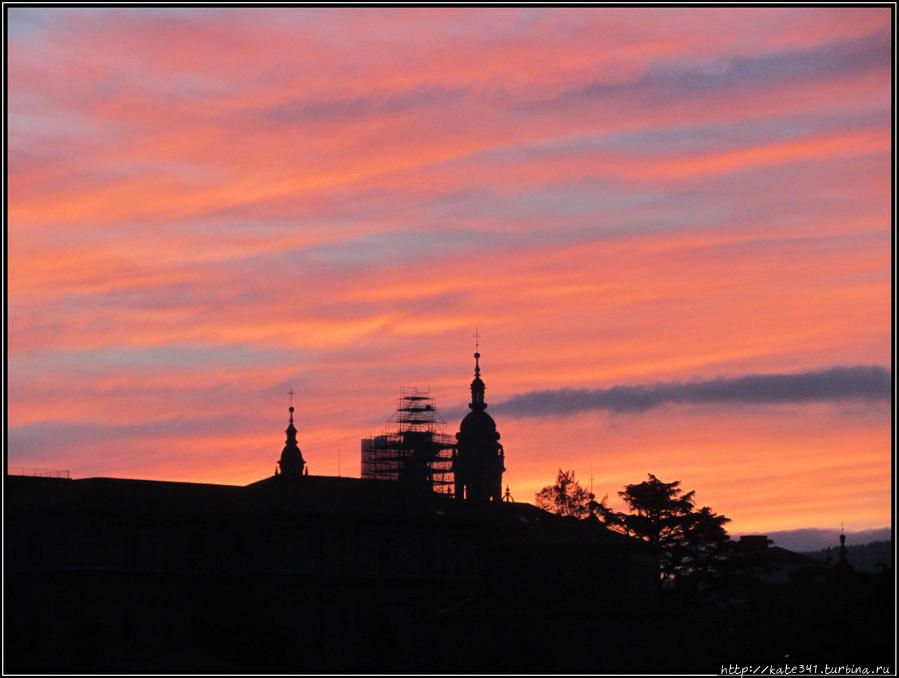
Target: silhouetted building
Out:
[842,564]
[302,573]
[842,575]
[774,564]
[414,449]
[479,461]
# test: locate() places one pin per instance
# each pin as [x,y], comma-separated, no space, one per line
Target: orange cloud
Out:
[203,207]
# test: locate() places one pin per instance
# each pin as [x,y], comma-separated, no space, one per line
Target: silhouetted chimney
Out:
[754,542]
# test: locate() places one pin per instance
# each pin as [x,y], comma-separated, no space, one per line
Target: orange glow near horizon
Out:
[205,205]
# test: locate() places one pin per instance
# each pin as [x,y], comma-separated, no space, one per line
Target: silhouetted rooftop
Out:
[307,497]
[776,554]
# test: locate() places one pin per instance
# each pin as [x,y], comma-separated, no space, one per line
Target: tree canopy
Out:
[566,497]
[693,542]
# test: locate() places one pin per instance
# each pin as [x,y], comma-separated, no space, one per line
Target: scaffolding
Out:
[414,447]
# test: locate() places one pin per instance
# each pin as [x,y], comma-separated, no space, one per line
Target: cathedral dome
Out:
[479,425]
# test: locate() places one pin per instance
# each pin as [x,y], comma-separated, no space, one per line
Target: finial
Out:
[477,353]
[291,394]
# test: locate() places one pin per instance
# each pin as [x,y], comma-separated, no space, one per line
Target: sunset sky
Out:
[660,210]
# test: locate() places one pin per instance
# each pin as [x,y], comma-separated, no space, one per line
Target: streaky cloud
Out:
[835,383]
[343,109]
[840,58]
[44,436]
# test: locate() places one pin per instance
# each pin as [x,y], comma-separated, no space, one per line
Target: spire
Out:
[477,387]
[291,430]
[291,394]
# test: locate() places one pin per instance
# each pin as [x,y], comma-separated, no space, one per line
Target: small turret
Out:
[291,463]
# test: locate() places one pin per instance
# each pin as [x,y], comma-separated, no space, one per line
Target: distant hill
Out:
[863,557]
[815,538]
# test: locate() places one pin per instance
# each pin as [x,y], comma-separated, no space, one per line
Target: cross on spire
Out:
[291,394]
[477,338]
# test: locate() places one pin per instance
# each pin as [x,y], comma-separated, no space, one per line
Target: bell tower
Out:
[478,464]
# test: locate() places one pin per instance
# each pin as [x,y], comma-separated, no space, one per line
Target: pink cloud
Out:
[203,205]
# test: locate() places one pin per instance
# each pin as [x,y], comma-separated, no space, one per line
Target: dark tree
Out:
[693,542]
[703,547]
[566,497]
[658,510]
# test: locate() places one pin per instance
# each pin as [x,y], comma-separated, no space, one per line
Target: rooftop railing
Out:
[39,472]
